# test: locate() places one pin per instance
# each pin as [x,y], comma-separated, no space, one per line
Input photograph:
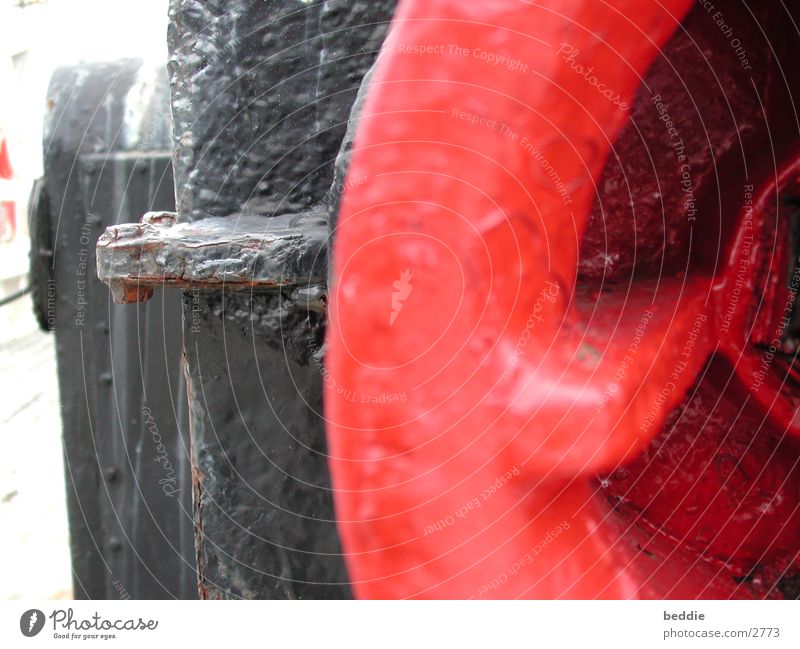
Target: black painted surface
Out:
[263,495]
[40,228]
[106,162]
[262,94]
[262,91]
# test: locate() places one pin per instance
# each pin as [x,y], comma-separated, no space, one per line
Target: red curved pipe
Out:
[475,390]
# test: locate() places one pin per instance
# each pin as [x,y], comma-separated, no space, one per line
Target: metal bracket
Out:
[234,252]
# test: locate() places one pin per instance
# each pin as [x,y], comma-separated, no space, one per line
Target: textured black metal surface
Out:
[121,385]
[261,96]
[266,525]
[342,163]
[262,91]
[41,256]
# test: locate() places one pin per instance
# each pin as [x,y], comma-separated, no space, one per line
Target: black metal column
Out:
[125,420]
[262,92]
